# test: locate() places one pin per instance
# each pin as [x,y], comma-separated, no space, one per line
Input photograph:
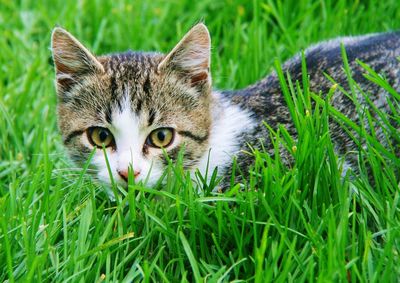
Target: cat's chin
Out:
[121,185]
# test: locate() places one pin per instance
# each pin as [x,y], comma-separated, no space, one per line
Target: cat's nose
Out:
[124,174]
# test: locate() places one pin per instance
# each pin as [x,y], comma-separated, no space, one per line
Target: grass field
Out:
[303,223]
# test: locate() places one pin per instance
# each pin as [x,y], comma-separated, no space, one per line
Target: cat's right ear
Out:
[190,58]
[71,59]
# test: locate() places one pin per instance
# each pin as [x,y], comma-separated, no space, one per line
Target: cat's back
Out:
[381,51]
[325,68]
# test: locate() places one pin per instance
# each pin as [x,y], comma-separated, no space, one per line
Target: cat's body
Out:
[138,104]
[266,101]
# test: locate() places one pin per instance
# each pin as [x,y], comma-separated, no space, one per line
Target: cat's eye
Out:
[161,137]
[99,136]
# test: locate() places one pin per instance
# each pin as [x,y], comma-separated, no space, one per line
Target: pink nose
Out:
[124,174]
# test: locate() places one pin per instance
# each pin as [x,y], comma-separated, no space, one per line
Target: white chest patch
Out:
[229,123]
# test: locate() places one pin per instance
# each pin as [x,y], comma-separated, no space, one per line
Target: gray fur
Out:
[265,100]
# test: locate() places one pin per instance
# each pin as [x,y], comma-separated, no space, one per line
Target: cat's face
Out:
[140,107]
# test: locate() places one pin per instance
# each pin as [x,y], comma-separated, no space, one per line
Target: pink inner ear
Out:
[66,75]
[197,78]
[65,83]
[63,69]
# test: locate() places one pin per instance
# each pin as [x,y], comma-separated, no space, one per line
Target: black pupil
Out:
[161,136]
[103,135]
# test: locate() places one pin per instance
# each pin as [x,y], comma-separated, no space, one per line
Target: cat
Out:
[143,106]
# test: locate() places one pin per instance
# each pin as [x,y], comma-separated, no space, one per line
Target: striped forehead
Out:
[134,66]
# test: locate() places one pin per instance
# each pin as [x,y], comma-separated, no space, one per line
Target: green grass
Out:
[303,223]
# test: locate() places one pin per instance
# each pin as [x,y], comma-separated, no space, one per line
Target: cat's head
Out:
[139,106]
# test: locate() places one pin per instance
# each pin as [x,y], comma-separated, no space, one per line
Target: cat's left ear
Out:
[190,58]
[71,59]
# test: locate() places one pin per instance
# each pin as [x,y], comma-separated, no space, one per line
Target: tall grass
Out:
[300,223]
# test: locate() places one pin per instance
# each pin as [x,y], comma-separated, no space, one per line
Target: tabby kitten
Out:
[140,105]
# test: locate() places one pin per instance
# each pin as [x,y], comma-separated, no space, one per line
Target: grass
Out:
[304,223]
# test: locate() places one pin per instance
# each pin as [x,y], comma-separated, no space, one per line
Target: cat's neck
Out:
[229,125]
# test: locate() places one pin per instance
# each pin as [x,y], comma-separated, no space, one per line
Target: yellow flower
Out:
[241,10]
[20,156]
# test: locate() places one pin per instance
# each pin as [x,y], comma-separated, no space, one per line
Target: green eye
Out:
[98,136]
[161,137]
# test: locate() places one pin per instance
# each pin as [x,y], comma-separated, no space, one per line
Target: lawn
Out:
[300,223]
